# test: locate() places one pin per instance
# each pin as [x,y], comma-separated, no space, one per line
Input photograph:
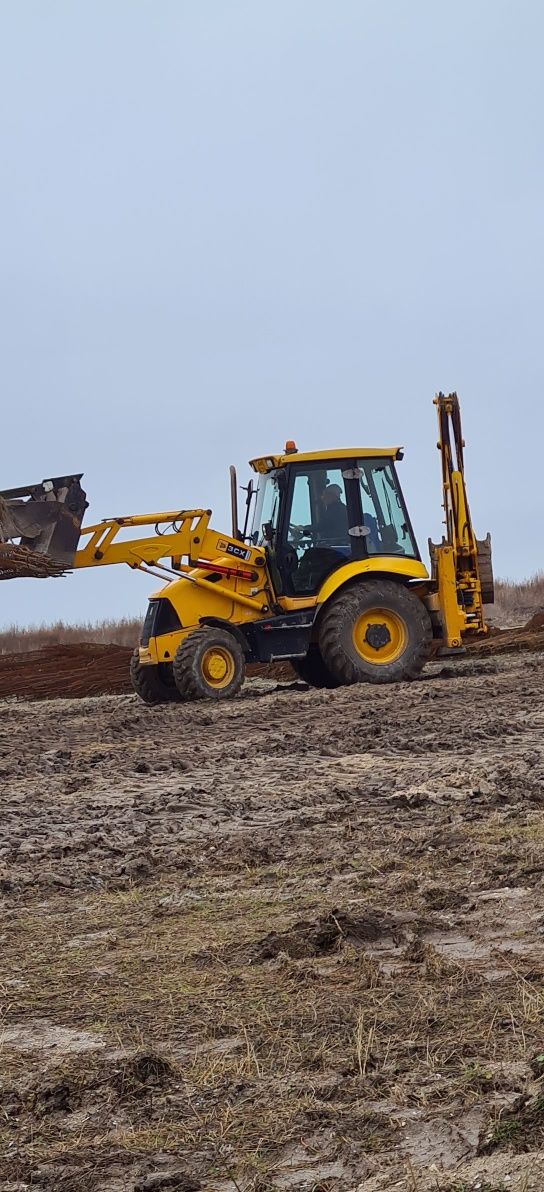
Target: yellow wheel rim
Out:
[218,667]
[379,636]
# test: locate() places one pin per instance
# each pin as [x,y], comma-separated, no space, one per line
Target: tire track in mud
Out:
[102,789]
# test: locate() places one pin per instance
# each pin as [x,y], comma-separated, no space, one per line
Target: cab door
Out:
[320,525]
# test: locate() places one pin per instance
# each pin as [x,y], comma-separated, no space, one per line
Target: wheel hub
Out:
[380,636]
[217,667]
[377,636]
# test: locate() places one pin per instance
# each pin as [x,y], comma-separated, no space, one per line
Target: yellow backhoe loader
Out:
[326,572]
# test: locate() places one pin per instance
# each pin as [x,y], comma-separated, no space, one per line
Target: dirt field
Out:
[292,942]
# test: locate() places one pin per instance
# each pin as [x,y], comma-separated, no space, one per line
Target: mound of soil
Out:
[536,621]
[70,671]
[510,641]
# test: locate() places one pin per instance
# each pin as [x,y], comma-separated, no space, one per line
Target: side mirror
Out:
[268,533]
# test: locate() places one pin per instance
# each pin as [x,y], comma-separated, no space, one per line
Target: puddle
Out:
[90,938]
[302,1171]
[225,1046]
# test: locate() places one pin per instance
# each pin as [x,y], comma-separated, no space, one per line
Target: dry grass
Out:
[234,1022]
[15,639]
[520,598]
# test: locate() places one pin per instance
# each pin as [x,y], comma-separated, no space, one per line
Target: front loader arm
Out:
[184,535]
[461,565]
[41,535]
[190,544]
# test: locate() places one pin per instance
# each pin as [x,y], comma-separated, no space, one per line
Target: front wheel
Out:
[377,631]
[149,684]
[209,664]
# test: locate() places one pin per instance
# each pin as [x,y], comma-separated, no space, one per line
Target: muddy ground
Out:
[291,942]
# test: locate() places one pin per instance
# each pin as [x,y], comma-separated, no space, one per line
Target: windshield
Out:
[267,507]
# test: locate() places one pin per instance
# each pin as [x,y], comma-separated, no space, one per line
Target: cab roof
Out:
[266,463]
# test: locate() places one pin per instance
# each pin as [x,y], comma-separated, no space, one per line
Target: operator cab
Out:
[315,512]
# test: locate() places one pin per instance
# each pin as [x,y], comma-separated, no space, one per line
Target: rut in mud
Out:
[295,941]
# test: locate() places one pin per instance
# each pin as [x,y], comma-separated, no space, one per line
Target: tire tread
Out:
[186,664]
[148,684]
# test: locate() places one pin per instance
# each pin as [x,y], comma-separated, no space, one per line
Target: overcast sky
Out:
[228,222]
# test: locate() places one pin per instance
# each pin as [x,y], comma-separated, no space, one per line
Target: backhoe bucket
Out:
[485,567]
[40,527]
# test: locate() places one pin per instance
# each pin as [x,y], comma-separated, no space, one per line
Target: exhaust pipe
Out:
[234,504]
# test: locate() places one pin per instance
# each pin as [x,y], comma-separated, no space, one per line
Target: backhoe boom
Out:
[461,565]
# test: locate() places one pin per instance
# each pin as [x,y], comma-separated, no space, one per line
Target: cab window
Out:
[383,510]
[318,515]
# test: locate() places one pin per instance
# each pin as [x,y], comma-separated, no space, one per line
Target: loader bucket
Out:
[40,526]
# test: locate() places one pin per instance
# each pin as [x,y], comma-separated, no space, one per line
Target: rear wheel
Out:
[149,684]
[312,669]
[375,632]
[209,664]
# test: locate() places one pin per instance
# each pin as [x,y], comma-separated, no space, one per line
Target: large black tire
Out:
[312,669]
[209,664]
[149,684]
[376,631]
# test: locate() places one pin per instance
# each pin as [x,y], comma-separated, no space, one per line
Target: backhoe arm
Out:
[461,564]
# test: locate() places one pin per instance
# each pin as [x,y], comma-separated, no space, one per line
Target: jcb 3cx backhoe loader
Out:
[325,574]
